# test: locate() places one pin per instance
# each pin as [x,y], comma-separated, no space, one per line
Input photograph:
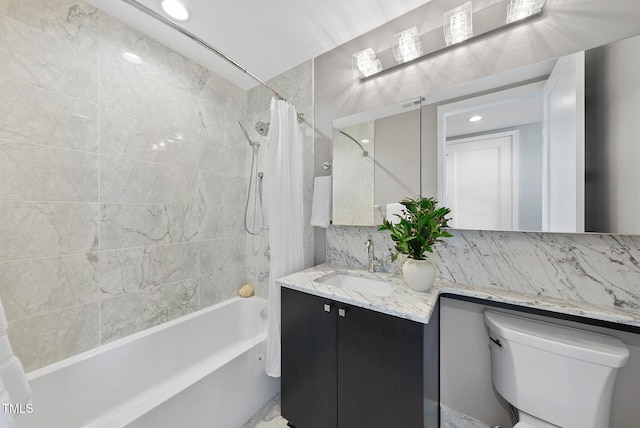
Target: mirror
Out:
[579,177]
[376,158]
[564,161]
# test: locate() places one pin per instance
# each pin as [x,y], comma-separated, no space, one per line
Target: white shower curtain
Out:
[285,219]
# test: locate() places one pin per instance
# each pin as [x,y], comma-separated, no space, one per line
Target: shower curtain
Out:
[285,219]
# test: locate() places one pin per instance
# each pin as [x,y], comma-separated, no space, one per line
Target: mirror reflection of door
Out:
[517,205]
[482,182]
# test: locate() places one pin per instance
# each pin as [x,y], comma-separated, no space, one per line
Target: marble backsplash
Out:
[597,269]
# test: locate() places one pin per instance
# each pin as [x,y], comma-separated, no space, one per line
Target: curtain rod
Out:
[152,13]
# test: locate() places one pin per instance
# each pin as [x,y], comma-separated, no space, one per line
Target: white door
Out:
[481,182]
[563,158]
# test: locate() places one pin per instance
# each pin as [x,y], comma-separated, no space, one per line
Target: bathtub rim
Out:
[83,356]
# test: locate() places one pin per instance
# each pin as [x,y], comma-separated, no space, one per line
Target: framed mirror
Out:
[376,162]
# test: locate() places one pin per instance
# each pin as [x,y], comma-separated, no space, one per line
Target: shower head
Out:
[262,128]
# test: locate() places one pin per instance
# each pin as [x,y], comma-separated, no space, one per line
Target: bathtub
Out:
[205,369]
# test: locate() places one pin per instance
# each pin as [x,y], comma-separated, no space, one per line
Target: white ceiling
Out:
[266,37]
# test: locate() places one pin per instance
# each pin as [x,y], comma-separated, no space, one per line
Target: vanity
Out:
[344,365]
[353,358]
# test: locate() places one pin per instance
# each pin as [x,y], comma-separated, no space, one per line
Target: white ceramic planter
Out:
[419,274]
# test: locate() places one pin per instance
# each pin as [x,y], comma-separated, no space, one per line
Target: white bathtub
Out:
[205,369]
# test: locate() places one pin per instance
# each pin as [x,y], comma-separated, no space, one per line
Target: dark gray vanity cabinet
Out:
[309,364]
[349,367]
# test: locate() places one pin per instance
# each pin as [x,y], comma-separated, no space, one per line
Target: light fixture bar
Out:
[457,26]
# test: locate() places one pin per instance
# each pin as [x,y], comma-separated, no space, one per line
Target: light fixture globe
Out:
[520,9]
[407,45]
[457,24]
[365,63]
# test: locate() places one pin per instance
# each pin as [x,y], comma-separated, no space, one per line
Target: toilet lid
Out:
[523,425]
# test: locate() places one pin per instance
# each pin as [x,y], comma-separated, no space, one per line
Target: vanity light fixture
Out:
[457,24]
[407,45]
[175,9]
[365,63]
[520,9]
[475,118]
[132,58]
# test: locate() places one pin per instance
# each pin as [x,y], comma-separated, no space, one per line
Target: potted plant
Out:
[421,226]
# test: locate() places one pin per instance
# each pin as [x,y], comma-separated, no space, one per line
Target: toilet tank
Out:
[562,375]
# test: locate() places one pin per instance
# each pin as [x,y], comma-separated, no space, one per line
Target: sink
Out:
[360,284]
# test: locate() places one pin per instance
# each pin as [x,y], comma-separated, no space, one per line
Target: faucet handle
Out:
[373,262]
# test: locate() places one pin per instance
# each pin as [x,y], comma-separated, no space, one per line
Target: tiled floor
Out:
[268,416]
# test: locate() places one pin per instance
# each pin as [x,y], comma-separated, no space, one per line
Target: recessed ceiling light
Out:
[175,9]
[474,118]
[132,58]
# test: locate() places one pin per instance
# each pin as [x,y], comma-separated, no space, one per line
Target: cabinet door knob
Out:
[327,307]
[342,312]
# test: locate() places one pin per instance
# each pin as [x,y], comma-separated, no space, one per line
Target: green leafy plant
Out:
[421,226]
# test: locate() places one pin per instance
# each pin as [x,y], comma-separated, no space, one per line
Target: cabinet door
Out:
[309,364]
[380,370]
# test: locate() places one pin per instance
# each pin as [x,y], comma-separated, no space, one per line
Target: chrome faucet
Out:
[373,262]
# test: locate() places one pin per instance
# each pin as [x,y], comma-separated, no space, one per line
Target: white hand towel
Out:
[321,205]
[393,211]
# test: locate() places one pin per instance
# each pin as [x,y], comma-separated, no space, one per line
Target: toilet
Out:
[555,376]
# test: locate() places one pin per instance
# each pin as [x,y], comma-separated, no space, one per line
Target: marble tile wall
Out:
[601,270]
[121,185]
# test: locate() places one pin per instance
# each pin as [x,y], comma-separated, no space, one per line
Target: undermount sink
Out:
[360,284]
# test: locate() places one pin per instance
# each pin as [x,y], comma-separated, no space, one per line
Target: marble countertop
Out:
[418,306]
